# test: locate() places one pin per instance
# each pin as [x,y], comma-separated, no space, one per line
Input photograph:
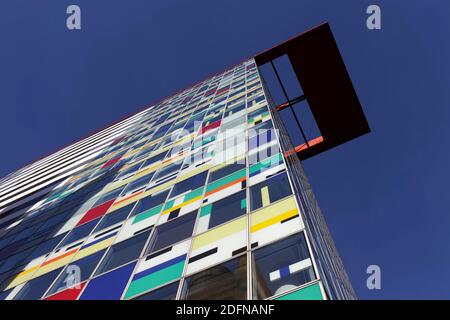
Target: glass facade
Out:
[193,201]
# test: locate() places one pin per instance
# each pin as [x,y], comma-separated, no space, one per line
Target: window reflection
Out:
[281,266]
[227,281]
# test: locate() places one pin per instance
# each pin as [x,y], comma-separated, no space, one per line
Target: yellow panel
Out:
[116,185]
[94,248]
[23,276]
[126,201]
[129,165]
[18,280]
[182,205]
[219,233]
[276,219]
[269,212]
[130,153]
[184,139]
[158,188]
[194,172]
[255,107]
[265,197]
[147,170]
[53,266]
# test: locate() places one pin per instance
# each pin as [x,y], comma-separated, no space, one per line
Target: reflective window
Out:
[45,247]
[76,272]
[172,232]
[108,286]
[114,217]
[227,281]
[138,183]
[108,196]
[150,201]
[123,252]
[169,169]
[35,288]
[227,170]
[281,266]
[154,159]
[128,171]
[269,191]
[79,233]
[168,292]
[222,211]
[189,184]
[14,260]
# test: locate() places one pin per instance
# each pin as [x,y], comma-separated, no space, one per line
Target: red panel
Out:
[210,127]
[223,90]
[210,92]
[111,162]
[68,294]
[96,212]
[116,141]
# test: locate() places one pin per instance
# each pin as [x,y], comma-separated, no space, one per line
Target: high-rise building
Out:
[199,196]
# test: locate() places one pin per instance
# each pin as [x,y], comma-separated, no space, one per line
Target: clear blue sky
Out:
[385,195]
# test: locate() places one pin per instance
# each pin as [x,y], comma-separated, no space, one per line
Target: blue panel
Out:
[109,286]
[4,294]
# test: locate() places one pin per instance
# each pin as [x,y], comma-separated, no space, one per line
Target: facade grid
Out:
[192,199]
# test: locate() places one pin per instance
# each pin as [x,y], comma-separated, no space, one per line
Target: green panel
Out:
[309,293]
[169,204]
[155,279]
[232,177]
[266,163]
[206,210]
[252,119]
[147,214]
[193,194]
[244,203]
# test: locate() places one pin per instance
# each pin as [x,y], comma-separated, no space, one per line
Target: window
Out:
[234,109]
[45,247]
[108,196]
[168,292]
[123,252]
[79,233]
[222,211]
[114,217]
[172,232]
[261,138]
[14,260]
[198,157]
[144,152]
[269,191]
[257,112]
[70,277]
[5,294]
[150,201]
[267,125]
[281,266]
[138,183]
[167,170]
[226,281]
[191,183]
[128,171]
[259,155]
[228,169]
[154,159]
[34,289]
[109,286]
